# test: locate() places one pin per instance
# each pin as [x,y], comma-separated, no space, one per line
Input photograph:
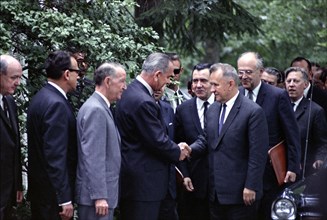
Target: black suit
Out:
[147,153]
[168,205]
[10,153]
[235,156]
[187,129]
[281,125]
[319,96]
[317,139]
[52,152]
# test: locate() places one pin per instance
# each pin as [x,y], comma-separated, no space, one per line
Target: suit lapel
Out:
[261,94]
[106,107]
[195,116]
[300,110]
[230,118]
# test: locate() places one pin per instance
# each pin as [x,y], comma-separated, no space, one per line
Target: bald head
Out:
[10,74]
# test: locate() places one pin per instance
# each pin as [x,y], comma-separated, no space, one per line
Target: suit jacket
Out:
[52,147]
[235,155]
[10,153]
[281,125]
[147,151]
[188,128]
[98,153]
[317,138]
[167,113]
[319,96]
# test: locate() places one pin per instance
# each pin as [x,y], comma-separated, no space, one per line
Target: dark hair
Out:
[315,64]
[297,69]
[56,63]
[299,59]
[173,57]
[202,66]
[104,70]
[276,72]
[323,75]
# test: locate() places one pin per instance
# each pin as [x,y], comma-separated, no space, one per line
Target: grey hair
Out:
[297,69]
[104,70]
[259,59]
[228,71]
[3,66]
[155,62]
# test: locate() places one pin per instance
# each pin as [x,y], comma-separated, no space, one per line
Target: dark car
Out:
[305,199]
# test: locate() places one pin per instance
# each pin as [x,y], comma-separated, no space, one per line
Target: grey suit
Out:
[99,157]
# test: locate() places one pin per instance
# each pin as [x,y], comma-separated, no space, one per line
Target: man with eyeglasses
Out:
[52,141]
[281,120]
[189,124]
[173,94]
[10,164]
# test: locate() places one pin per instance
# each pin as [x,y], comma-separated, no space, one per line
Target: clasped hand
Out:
[185,150]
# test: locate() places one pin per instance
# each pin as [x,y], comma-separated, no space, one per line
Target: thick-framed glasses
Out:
[177,71]
[77,71]
[247,72]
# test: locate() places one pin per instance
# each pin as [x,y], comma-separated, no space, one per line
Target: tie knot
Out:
[205,104]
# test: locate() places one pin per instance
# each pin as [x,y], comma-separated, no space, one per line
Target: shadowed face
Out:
[248,72]
[295,85]
[200,84]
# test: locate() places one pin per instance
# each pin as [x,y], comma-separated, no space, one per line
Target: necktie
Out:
[222,117]
[293,105]
[250,95]
[177,98]
[5,106]
[205,107]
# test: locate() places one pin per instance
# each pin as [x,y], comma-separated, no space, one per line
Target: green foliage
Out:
[189,24]
[289,29]
[104,29]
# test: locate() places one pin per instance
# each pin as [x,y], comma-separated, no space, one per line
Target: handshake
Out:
[185,150]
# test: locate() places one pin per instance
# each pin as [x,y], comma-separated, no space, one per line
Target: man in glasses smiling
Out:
[173,94]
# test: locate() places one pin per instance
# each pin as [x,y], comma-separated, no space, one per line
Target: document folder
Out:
[277,155]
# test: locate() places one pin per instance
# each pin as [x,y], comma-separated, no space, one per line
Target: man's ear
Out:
[156,75]
[107,80]
[66,74]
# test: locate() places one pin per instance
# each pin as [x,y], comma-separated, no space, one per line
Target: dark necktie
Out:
[5,106]
[250,95]
[222,117]
[205,107]
[177,98]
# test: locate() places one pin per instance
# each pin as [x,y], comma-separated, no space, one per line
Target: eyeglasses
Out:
[177,71]
[77,71]
[247,72]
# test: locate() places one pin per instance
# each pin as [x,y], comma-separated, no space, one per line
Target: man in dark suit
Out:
[51,130]
[311,119]
[281,120]
[10,166]
[99,141]
[189,124]
[147,151]
[168,207]
[236,152]
[319,96]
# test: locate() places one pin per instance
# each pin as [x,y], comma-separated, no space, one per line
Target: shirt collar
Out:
[199,102]
[104,98]
[58,88]
[231,102]
[147,86]
[255,91]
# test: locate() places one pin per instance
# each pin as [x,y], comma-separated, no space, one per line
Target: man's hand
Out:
[290,177]
[19,196]
[188,184]
[101,207]
[248,196]
[67,212]
[317,164]
[185,151]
